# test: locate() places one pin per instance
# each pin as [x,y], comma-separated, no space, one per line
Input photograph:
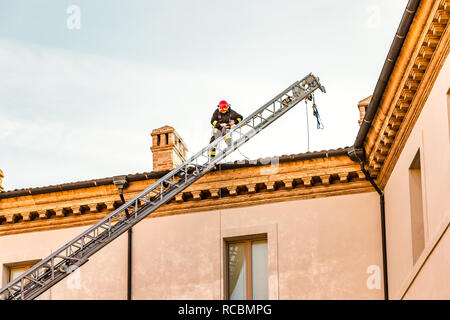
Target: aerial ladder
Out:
[76,252]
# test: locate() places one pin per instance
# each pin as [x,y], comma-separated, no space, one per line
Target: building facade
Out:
[302,226]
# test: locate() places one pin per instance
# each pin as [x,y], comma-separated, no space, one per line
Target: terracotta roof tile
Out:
[156,175]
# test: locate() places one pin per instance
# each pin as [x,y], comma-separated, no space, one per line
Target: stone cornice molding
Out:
[425,49]
[220,189]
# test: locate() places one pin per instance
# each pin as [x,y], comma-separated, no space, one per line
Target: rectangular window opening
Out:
[247,269]
[18,268]
[15,272]
[416,202]
[448,110]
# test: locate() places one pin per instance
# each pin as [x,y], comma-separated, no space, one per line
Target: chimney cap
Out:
[365,102]
[362,106]
[169,129]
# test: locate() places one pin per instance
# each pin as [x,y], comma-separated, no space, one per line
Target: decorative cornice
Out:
[220,189]
[423,54]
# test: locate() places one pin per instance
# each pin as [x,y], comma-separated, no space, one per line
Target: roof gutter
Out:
[386,72]
[356,152]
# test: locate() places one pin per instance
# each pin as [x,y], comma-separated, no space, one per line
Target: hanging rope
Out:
[307,122]
[316,114]
[243,154]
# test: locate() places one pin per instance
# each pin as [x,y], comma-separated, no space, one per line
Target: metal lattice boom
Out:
[75,253]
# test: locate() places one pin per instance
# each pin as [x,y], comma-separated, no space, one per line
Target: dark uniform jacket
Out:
[219,117]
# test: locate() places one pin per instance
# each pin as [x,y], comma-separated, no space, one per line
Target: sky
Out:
[83,83]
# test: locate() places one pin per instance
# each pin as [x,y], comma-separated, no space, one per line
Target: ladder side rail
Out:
[234,129]
[280,95]
[122,208]
[85,250]
[100,245]
[142,214]
[213,144]
[244,121]
[275,115]
[258,113]
[119,213]
[263,125]
[249,134]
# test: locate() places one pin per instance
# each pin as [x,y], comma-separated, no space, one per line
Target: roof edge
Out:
[160,174]
[388,67]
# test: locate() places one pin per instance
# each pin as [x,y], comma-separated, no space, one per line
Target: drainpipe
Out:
[357,155]
[356,152]
[121,182]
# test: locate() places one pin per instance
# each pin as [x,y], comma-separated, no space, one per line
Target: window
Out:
[247,269]
[17,269]
[448,109]
[415,196]
[14,272]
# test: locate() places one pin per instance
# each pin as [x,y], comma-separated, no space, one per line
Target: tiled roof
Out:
[158,174]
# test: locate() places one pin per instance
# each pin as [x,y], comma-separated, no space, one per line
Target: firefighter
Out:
[222,120]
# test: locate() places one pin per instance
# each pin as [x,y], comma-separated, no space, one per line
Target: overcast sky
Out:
[80,103]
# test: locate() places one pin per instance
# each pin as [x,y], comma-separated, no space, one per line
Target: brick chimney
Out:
[362,106]
[1,178]
[169,150]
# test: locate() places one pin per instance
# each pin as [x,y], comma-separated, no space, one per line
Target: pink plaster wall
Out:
[318,249]
[322,249]
[433,282]
[431,135]
[103,277]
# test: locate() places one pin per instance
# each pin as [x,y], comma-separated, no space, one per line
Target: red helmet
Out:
[223,106]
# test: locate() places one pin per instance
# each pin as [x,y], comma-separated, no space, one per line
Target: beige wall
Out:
[103,277]
[431,135]
[432,280]
[318,249]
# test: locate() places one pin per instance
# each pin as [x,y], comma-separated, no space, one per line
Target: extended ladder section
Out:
[75,253]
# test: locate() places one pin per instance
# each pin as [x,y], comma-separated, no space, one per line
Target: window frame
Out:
[16,267]
[448,110]
[9,267]
[417,206]
[248,265]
